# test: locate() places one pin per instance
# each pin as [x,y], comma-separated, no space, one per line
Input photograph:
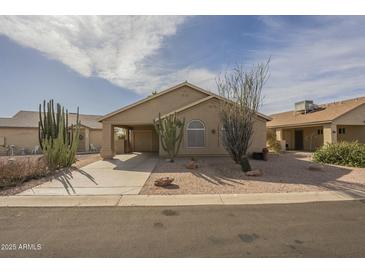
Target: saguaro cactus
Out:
[58,141]
[170,130]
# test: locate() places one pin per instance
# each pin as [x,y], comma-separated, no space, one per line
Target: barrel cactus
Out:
[58,140]
[170,130]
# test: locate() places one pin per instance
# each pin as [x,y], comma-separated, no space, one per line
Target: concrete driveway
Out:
[125,174]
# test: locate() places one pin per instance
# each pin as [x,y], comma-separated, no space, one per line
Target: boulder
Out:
[164,181]
[254,172]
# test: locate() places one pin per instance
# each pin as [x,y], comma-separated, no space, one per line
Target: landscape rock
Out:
[254,172]
[164,181]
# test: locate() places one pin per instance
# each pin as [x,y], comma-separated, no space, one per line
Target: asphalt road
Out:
[328,229]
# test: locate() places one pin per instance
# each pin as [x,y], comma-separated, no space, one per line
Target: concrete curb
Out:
[175,200]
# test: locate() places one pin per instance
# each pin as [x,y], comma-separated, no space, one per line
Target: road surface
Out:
[327,229]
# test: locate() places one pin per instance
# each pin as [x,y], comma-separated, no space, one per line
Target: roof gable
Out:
[263,116]
[208,95]
[153,97]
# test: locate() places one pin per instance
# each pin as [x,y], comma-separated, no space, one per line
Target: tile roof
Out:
[326,113]
[31,118]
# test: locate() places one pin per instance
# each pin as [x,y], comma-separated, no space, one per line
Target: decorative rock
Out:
[191,165]
[164,181]
[255,172]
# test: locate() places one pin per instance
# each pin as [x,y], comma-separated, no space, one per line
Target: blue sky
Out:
[102,63]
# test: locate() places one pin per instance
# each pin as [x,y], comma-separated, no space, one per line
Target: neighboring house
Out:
[202,132]
[310,126]
[21,130]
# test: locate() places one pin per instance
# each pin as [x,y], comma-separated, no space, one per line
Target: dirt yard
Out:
[288,172]
[82,160]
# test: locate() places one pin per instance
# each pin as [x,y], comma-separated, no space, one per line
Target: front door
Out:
[298,136]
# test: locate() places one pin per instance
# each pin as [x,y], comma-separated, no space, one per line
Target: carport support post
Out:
[107,149]
[87,139]
[127,149]
[279,134]
[330,133]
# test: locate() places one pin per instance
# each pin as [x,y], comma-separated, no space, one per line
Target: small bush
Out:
[342,153]
[20,169]
[272,143]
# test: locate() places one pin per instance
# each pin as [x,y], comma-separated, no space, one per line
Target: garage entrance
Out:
[144,140]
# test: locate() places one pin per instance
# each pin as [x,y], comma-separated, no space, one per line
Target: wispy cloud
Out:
[320,58]
[111,47]
[325,61]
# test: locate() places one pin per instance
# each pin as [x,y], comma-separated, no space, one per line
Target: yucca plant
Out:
[170,130]
[58,140]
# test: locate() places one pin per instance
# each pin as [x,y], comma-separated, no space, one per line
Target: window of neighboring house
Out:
[320,131]
[196,134]
[342,130]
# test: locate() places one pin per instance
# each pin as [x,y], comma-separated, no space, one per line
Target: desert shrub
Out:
[342,153]
[272,143]
[17,170]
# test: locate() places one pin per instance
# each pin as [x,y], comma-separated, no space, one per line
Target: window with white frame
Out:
[196,134]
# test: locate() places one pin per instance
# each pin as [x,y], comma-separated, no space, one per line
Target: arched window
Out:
[196,134]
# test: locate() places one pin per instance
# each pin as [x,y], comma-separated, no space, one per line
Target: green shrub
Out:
[273,144]
[342,153]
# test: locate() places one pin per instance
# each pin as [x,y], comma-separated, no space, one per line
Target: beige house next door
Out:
[143,141]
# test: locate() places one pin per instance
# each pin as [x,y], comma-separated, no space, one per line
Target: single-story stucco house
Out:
[21,130]
[309,126]
[202,132]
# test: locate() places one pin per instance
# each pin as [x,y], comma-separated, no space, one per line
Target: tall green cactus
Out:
[170,129]
[58,141]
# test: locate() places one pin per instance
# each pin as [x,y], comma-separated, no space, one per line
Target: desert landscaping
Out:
[287,172]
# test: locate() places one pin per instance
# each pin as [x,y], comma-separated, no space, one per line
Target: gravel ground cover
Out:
[287,172]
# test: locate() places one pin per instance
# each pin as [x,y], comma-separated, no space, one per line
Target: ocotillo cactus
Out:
[170,130]
[58,141]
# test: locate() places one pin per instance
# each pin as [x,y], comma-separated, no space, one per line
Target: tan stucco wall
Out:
[354,117]
[20,137]
[310,135]
[146,112]
[353,133]
[208,113]
[150,138]
[96,137]
[28,137]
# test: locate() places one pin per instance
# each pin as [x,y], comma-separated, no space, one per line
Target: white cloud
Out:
[320,58]
[111,47]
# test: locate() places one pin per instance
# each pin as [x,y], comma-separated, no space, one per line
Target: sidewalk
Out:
[175,200]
